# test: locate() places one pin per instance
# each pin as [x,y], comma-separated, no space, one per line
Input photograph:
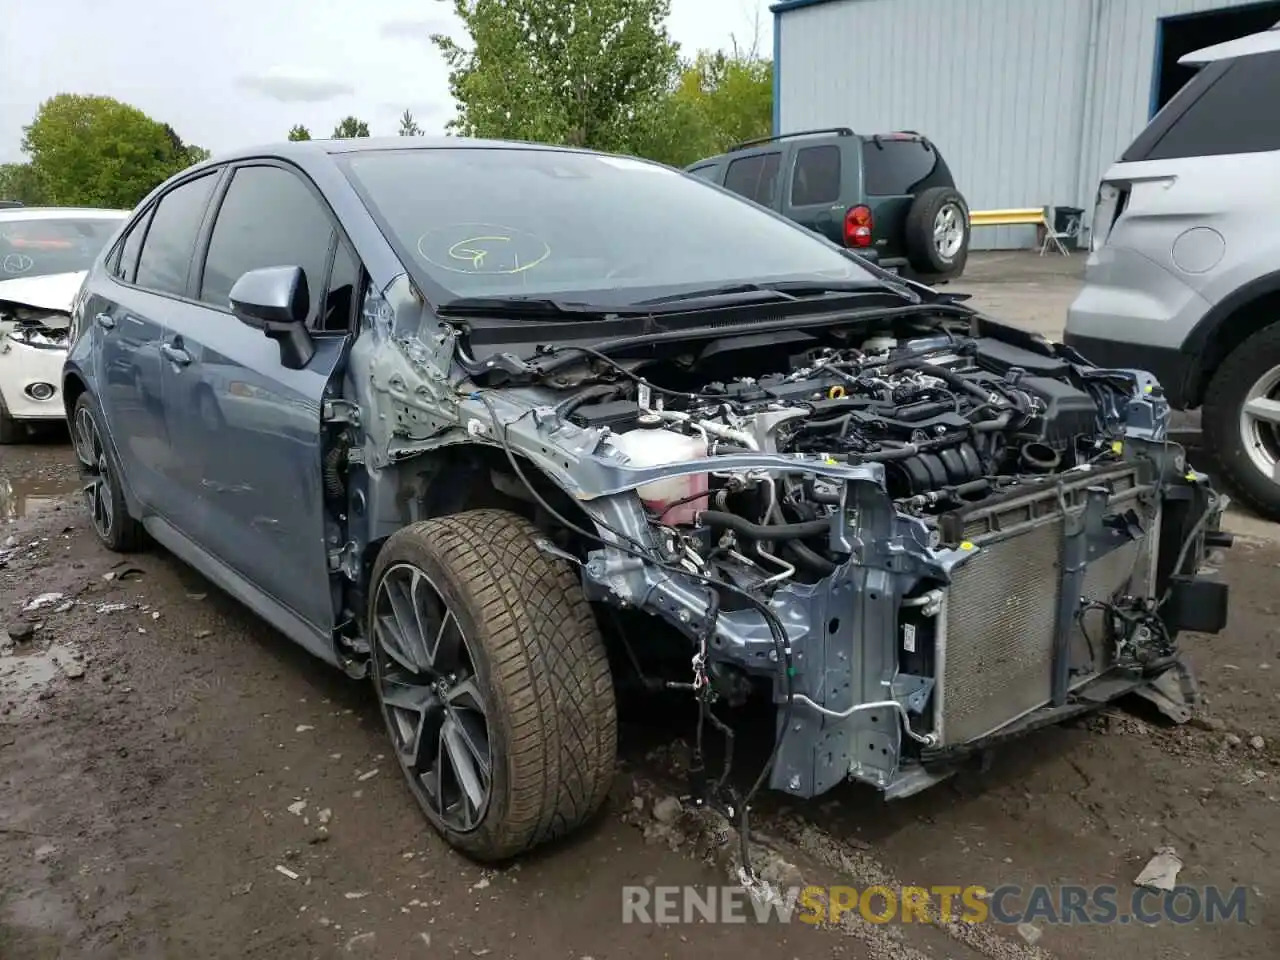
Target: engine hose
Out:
[756,531]
[914,412]
[809,559]
[953,380]
[333,484]
[906,450]
[597,392]
[996,424]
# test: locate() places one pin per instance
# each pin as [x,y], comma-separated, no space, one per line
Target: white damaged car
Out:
[44,252]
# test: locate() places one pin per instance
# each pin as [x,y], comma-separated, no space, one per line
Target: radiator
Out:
[996,625]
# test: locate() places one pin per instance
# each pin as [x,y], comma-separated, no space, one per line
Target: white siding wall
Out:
[1002,86]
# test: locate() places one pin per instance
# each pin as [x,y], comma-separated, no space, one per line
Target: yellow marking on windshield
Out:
[472,251]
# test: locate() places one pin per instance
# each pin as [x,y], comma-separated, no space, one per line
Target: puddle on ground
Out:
[24,496]
[25,670]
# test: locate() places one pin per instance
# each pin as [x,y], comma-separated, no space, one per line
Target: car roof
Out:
[303,149]
[1267,41]
[61,213]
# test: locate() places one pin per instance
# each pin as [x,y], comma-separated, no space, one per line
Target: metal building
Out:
[1029,100]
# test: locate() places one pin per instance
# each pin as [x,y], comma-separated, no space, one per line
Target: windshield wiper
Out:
[780,291]
[534,308]
[775,290]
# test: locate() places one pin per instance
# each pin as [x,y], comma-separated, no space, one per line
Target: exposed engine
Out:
[34,327]
[952,419]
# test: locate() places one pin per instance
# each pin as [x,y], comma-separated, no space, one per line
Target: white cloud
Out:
[295,87]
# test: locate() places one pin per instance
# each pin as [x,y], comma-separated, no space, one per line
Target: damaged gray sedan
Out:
[504,427]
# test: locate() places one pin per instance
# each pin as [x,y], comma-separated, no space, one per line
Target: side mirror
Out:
[275,300]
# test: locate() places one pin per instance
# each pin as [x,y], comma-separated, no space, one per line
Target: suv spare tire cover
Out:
[919,234]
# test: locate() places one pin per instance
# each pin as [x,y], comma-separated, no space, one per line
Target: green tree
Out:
[192,153]
[96,151]
[350,127]
[408,126]
[19,181]
[582,72]
[299,132]
[720,99]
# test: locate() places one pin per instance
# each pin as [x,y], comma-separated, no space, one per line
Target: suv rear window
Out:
[1217,113]
[756,177]
[895,168]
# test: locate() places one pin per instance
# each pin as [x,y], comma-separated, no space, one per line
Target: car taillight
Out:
[857,227]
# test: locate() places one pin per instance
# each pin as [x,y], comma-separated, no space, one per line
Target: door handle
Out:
[175,355]
[106,321]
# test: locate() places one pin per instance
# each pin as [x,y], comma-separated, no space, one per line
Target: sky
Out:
[241,72]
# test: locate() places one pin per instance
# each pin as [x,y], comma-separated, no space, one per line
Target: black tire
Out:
[1224,440]
[918,235]
[11,431]
[540,664]
[121,532]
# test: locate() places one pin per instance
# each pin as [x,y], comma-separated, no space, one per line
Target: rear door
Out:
[756,175]
[896,168]
[148,275]
[816,184]
[248,426]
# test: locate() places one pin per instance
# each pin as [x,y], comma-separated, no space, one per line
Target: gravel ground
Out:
[176,779]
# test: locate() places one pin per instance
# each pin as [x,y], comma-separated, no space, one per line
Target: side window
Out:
[344,287]
[817,176]
[125,266]
[1225,118]
[268,218]
[706,172]
[754,177]
[166,253]
[895,168]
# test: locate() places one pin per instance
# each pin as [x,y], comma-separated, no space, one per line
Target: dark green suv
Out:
[889,197]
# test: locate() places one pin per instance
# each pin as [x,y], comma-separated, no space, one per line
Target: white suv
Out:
[1184,275]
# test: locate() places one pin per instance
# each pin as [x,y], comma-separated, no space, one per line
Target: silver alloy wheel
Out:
[432,702]
[1260,424]
[948,231]
[96,470]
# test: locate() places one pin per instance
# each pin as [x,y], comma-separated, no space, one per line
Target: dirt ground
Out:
[178,780]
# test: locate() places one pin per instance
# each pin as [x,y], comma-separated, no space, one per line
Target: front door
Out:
[247,427]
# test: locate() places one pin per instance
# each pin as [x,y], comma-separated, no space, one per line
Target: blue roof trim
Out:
[782,6]
[777,74]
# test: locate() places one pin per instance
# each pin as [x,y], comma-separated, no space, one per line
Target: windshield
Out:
[571,226]
[39,248]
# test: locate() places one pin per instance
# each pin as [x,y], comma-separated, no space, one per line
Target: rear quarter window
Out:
[705,172]
[894,168]
[1223,110]
[755,177]
[167,251]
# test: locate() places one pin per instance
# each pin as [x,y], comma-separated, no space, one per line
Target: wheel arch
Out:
[1227,325]
[73,385]
[470,476]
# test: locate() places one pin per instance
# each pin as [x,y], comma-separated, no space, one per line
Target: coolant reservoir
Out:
[654,448]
